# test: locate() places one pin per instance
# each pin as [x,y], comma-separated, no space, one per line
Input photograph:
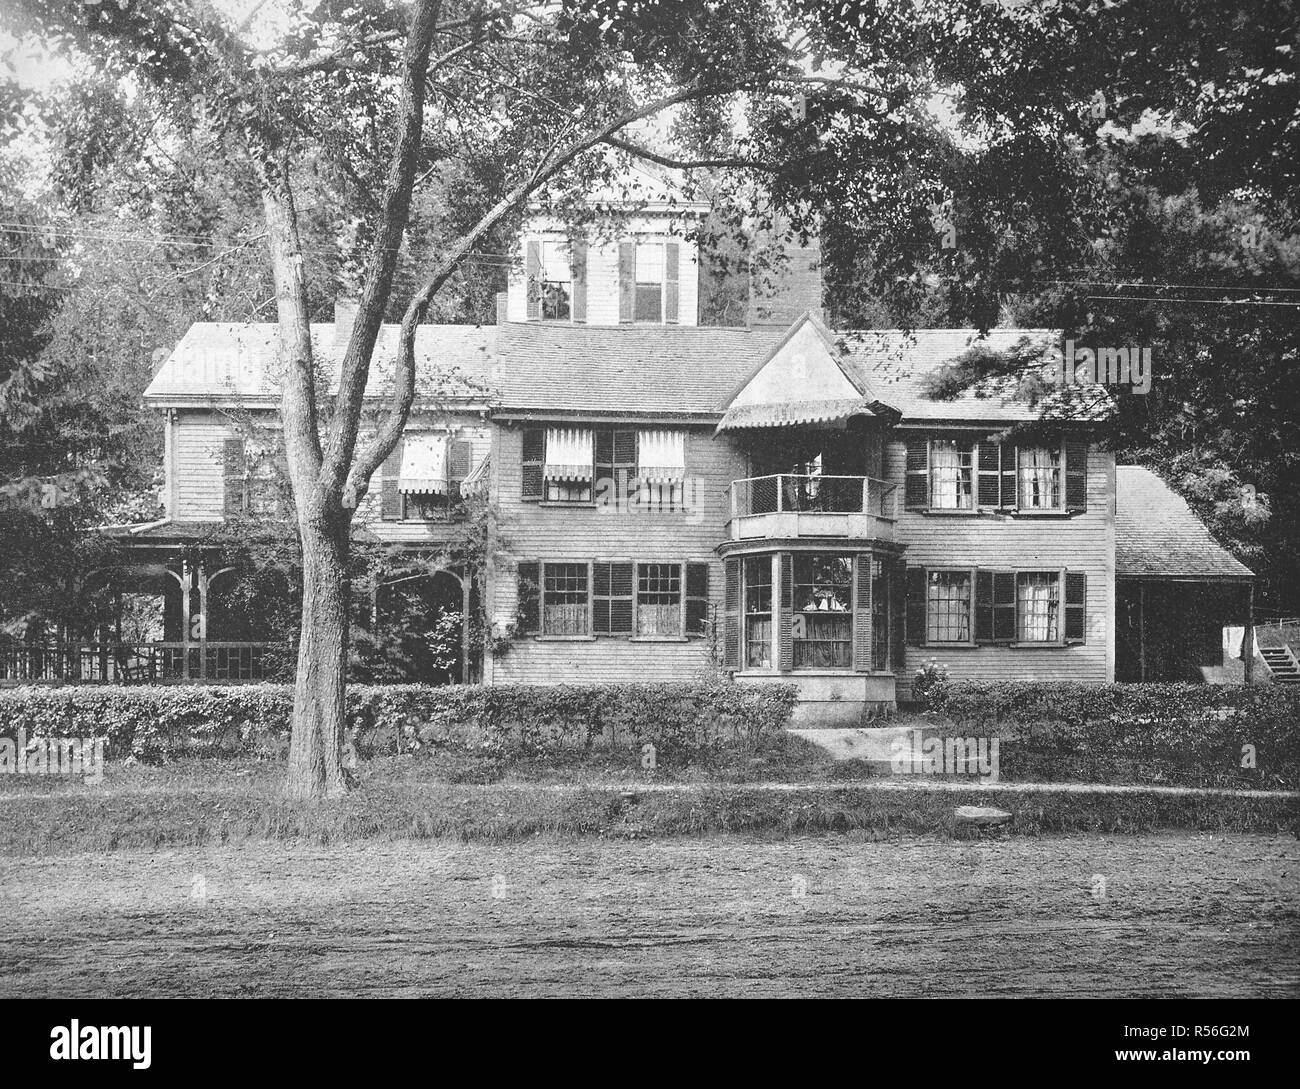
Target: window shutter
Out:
[533,270]
[534,455]
[578,249]
[233,476]
[626,281]
[530,597]
[731,613]
[390,499]
[672,277]
[1010,459]
[459,457]
[862,613]
[785,615]
[916,489]
[983,606]
[990,475]
[697,598]
[914,606]
[897,583]
[1076,606]
[611,594]
[1004,606]
[1076,474]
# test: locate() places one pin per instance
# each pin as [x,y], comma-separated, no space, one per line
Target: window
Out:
[948,607]
[758,612]
[611,598]
[1038,607]
[823,619]
[1038,478]
[564,599]
[568,466]
[951,470]
[659,599]
[879,616]
[641,470]
[556,278]
[649,302]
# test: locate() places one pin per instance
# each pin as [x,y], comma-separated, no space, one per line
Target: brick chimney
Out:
[345,316]
[786,294]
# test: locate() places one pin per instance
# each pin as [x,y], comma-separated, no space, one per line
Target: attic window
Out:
[649,282]
[557,281]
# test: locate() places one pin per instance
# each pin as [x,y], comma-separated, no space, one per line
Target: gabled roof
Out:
[898,365]
[226,361]
[802,380]
[1158,536]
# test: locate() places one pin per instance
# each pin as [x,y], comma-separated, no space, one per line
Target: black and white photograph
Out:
[650,499]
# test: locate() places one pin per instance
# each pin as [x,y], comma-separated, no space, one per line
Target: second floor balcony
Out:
[812,505]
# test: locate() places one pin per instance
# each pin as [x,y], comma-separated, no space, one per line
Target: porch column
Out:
[186,582]
[202,575]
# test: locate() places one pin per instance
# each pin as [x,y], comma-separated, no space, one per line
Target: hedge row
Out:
[1187,734]
[159,722]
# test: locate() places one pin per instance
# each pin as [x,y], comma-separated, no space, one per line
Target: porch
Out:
[792,505]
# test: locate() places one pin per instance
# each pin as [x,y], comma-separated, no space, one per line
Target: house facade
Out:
[781,501]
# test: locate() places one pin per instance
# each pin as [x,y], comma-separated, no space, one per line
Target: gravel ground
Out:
[1145,915]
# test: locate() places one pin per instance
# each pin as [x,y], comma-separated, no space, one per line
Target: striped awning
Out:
[424,464]
[792,413]
[661,456]
[568,453]
[477,481]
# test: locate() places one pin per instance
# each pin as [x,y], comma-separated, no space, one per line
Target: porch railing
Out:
[134,663]
[809,494]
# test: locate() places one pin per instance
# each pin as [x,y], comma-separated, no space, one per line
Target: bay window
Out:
[823,603]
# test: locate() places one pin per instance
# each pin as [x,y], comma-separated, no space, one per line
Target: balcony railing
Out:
[134,663]
[790,504]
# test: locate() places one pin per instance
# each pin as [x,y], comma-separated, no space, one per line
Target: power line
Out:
[1154,283]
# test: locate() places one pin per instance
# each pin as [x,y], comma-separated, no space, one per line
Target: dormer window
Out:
[649,282]
[556,281]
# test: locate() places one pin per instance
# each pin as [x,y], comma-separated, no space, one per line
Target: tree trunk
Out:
[316,749]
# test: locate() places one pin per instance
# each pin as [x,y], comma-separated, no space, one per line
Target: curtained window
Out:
[951,465]
[564,601]
[659,599]
[948,607]
[758,612]
[823,602]
[1038,607]
[568,465]
[1038,478]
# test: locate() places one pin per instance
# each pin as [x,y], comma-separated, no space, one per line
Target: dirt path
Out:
[1177,914]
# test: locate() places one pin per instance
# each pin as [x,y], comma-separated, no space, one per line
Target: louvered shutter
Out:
[626,281]
[533,444]
[530,596]
[1076,606]
[914,588]
[1076,474]
[862,612]
[390,498]
[785,616]
[459,458]
[916,488]
[897,582]
[579,252]
[731,613]
[672,281]
[697,598]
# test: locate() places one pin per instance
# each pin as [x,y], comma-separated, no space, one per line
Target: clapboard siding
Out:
[537,532]
[1082,542]
[199,484]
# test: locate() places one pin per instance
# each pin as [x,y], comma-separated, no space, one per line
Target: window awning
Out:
[477,481]
[793,413]
[661,456]
[568,453]
[424,464]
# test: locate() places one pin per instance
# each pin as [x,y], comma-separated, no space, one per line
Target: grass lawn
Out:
[463,796]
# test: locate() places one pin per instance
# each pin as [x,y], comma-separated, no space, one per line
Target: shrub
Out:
[1178,733]
[161,722]
[932,672]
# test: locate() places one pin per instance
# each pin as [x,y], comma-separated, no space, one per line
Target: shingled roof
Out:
[236,361]
[1158,536]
